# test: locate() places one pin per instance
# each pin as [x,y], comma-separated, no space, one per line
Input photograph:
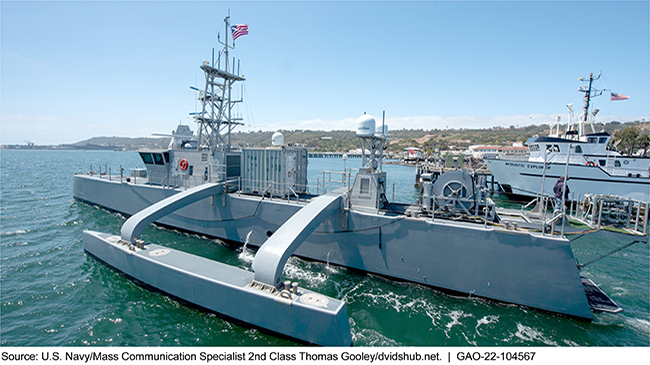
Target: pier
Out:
[349,154]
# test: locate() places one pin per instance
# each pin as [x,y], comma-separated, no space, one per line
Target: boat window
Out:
[158,159]
[602,162]
[617,163]
[578,149]
[552,148]
[534,148]
[146,158]
[602,140]
[592,140]
[166,155]
[204,157]
[364,186]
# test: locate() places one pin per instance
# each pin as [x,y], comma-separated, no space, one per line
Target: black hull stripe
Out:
[642,181]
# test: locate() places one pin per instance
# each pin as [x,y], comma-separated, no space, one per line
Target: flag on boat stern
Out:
[239,29]
[617,96]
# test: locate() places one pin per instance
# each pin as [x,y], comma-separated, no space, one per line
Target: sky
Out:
[70,71]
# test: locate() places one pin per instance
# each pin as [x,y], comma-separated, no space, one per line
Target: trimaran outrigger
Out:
[260,196]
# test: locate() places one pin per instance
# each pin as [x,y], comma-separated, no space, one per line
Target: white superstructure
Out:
[593,166]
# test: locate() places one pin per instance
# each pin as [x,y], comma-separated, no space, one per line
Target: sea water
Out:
[53,294]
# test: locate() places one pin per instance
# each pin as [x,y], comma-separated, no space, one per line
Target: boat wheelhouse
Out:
[589,160]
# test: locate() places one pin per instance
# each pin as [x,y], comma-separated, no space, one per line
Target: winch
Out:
[455,193]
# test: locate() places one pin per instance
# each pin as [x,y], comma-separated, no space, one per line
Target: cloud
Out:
[432,122]
[52,130]
[40,129]
[26,62]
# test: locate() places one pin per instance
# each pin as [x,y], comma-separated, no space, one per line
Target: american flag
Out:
[617,96]
[239,29]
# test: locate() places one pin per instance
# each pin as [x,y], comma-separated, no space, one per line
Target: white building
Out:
[483,152]
[518,153]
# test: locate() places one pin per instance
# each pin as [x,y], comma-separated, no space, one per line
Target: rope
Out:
[580,266]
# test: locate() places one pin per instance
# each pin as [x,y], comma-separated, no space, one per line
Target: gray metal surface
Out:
[273,255]
[455,190]
[227,290]
[133,227]
[510,266]
[598,299]
[369,189]
[280,171]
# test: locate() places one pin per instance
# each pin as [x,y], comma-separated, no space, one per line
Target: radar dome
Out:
[277,139]
[379,131]
[365,126]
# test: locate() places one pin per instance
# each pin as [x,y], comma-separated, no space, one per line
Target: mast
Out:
[215,120]
[589,93]
[587,98]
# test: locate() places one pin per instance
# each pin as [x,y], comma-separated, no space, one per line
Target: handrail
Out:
[294,193]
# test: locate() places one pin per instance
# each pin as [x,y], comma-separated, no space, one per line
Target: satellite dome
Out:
[277,139]
[365,126]
[379,132]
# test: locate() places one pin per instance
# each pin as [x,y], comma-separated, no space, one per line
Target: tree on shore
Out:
[644,141]
[627,139]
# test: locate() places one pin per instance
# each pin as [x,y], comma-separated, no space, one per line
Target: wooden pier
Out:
[350,155]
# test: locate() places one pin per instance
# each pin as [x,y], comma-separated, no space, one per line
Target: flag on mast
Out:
[617,96]
[239,30]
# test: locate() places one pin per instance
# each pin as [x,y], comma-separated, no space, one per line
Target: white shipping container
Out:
[279,171]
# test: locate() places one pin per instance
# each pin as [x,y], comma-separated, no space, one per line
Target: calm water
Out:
[53,294]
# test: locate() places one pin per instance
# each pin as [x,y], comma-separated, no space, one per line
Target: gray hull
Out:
[504,265]
[227,290]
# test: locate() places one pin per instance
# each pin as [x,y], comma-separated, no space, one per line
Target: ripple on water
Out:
[52,294]
[532,336]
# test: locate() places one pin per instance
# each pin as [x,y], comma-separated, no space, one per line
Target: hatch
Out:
[598,300]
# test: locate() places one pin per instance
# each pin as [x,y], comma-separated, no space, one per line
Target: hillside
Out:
[626,135]
[428,140]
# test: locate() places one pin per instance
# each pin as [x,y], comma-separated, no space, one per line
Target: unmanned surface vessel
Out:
[451,239]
